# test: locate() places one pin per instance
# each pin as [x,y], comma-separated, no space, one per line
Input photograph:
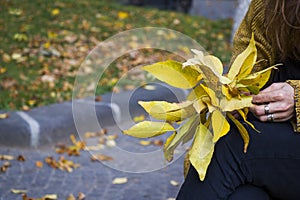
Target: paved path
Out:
[94,179]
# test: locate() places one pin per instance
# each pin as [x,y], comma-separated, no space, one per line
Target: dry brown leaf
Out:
[71,197]
[5,166]
[81,196]
[6,58]
[158,143]
[21,158]
[101,157]
[39,164]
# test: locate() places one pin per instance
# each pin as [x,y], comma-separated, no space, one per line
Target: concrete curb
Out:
[54,123]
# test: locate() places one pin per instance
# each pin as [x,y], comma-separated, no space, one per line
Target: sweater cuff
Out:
[296,85]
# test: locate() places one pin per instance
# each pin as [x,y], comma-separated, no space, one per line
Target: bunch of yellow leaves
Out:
[203,116]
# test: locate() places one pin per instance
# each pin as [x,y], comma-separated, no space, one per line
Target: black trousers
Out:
[269,170]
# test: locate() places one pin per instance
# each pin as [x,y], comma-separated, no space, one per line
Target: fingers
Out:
[277,117]
[274,107]
[275,92]
[281,111]
[274,86]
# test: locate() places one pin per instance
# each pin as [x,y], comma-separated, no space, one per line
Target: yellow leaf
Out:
[196,93]
[145,142]
[121,180]
[258,79]
[199,105]
[50,197]
[147,129]
[6,157]
[4,115]
[15,191]
[202,150]
[212,95]
[2,70]
[123,15]
[163,110]
[185,133]
[235,103]
[167,153]
[214,62]
[243,131]
[55,12]
[219,124]
[173,74]
[244,116]
[226,92]
[244,62]
[139,118]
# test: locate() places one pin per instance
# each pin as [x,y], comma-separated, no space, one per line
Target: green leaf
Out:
[147,129]
[202,150]
[174,74]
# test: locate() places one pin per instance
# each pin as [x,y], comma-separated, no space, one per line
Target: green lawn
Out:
[44,42]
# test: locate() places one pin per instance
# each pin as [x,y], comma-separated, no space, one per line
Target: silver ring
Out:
[270,117]
[267,109]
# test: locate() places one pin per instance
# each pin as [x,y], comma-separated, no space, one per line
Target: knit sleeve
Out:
[253,22]
[296,85]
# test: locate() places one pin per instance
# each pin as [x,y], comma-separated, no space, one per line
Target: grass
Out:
[43,44]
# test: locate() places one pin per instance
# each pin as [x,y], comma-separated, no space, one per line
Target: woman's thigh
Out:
[272,162]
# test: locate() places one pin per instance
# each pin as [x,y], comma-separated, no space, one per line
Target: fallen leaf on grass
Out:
[118,181]
[123,15]
[55,12]
[16,191]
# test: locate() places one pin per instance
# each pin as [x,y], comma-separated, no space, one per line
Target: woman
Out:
[271,167]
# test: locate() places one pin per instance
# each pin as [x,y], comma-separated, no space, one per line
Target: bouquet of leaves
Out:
[204,116]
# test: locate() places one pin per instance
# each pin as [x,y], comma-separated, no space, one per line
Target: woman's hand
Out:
[275,103]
